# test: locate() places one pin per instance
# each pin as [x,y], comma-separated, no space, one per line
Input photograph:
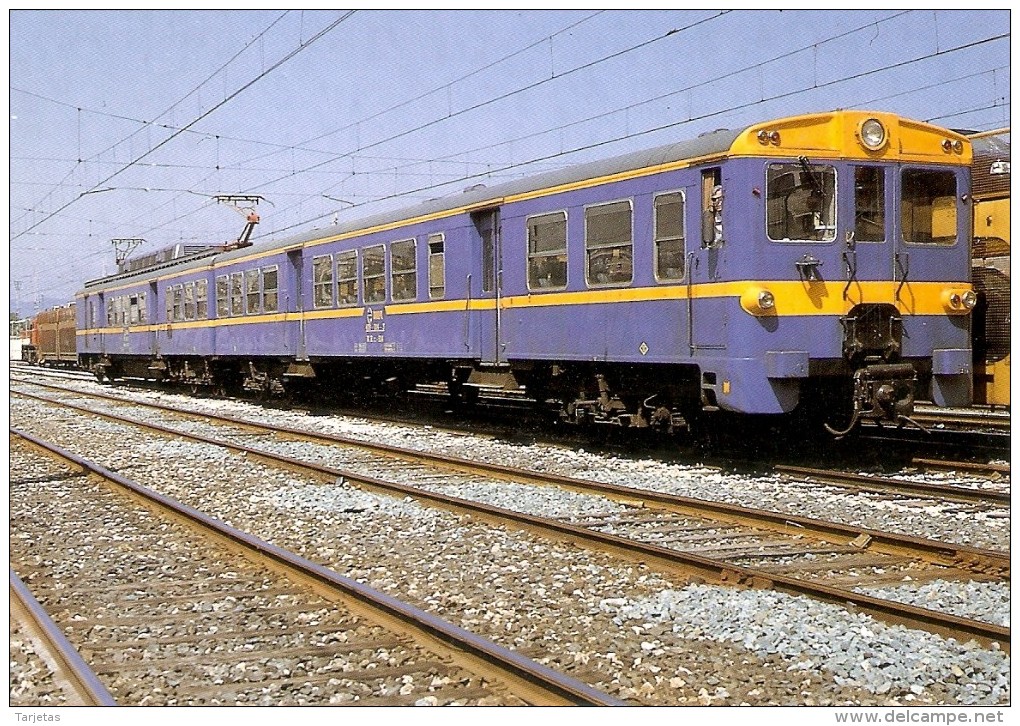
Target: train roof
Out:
[708,146]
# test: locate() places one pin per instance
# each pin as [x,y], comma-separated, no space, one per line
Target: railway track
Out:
[963,418]
[722,543]
[173,607]
[70,676]
[861,482]
[989,470]
[974,429]
[807,475]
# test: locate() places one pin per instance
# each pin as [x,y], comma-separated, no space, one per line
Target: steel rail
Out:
[672,560]
[541,683]
[965,417]
[973,467]
[72,667]
[941,553]
[883,484]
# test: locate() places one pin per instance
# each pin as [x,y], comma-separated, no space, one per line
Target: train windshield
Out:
[801,202]
[929,207]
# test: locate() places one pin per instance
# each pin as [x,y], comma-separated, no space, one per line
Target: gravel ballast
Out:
[553,601]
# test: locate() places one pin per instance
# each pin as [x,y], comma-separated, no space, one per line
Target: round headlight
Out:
[970,299]
[873,134]
[955,300]
[766,300]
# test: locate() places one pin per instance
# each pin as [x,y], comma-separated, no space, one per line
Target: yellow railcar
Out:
[990,177]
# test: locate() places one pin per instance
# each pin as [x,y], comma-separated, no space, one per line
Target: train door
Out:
[295,340]
[706,313]
[488,288]
[94,312]
[151,312]
[868,247]
[103,317]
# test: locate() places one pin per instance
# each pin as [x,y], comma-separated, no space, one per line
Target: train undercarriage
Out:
[668,399]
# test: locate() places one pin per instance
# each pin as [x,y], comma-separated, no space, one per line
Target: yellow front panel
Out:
[835,135]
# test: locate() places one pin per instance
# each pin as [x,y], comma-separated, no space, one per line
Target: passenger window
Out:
[270,290]
[202,299]
[142,314]
[237,293]
[222,296]
[403,270]
[869,204]
[252,292]
[801,202]
[929,207]
[547,251]
[347,275]
[669,236]
[169,304]
[374,274]
[189,301]
[178,302]
[609,243]
[437,266]
[322,274]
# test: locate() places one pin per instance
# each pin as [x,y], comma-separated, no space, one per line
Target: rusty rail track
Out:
[685,563]
[944,492]
[530,681]
[989,469]
[889,543]
[963,418]
[81,682]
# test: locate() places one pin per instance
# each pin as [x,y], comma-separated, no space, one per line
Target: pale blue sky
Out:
[387,108]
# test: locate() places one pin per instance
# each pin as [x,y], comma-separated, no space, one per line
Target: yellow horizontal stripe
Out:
[442,306]
[793,298]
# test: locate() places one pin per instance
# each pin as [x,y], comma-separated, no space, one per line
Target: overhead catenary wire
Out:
[509,94]
[168,108]
[815,85]
[214,108]
[519,164]
[565,73]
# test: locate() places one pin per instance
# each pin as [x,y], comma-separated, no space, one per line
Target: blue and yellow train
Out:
[818,264]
